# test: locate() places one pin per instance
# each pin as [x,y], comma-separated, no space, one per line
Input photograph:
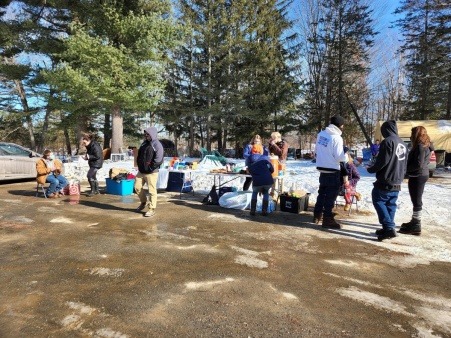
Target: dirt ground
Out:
[93,267]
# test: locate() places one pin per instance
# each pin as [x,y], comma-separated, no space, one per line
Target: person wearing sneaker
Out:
[94,156]
[329,153]
[390,168]
[150,157]
[418,172]
[50,170]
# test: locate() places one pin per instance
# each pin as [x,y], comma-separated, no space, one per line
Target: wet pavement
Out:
[93,267]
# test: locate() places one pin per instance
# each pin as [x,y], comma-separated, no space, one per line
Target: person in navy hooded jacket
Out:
[261,171]
[390,168]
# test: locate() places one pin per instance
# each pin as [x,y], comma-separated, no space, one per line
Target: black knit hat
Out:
[337,120]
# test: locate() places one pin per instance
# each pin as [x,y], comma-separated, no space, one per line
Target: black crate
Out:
[294,204]
[175,181]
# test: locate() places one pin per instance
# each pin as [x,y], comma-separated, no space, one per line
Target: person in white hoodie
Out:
[329,153]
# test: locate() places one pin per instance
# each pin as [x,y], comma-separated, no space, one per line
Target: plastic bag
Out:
[241,200]
[236,200]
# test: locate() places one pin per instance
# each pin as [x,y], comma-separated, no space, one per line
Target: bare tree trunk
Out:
[191,135]
[23,100]
[117,133]
[82,127]
[45,126]
[66,135]
[176,144]
[107,131]
[448,103]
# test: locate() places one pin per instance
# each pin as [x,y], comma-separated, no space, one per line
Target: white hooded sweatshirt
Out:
[329,149]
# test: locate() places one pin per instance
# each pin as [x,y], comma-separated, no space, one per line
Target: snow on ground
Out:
[302,175]
[433,245]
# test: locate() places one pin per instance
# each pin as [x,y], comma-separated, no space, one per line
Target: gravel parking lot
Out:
[81,267]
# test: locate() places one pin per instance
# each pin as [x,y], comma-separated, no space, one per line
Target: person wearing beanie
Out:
[149,160]
[247,153]
[329,153]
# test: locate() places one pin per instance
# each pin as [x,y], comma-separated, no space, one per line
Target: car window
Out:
[8,149]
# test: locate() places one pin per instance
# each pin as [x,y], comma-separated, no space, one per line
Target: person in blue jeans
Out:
[49,170]
[247,152]
[329,153]
[390,168]
[261,171]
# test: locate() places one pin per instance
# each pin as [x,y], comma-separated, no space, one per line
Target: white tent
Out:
[438,130]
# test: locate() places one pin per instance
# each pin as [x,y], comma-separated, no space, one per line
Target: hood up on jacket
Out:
[389,128]
[152,131]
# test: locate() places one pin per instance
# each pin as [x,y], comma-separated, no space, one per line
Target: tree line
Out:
[212,73]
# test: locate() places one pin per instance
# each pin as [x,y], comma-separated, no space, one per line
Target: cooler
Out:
[122,187]
[275,163]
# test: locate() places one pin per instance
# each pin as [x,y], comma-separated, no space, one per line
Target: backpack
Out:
[212,198]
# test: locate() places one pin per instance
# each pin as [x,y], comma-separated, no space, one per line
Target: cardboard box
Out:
[122,187]
[294,204]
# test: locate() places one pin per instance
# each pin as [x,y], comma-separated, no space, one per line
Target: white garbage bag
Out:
[241,200]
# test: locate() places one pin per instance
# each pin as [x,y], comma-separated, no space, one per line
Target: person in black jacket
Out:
[150,157]
[418,172]
[390,168]
[94,156]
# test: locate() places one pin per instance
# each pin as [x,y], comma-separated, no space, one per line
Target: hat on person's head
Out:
[337,120]
[257,149]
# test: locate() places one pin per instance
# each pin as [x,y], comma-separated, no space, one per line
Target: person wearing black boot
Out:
[94,156]
[418,172]
[390,168]
[260,169]
[329,153]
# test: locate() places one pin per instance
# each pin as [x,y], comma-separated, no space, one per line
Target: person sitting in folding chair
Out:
[49,170]
[350,177]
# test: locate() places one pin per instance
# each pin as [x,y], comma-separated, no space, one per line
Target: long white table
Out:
[224,178]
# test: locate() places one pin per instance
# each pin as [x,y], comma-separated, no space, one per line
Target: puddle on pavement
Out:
[72,199]
[128,199]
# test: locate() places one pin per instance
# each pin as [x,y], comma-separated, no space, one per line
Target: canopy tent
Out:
[438,130]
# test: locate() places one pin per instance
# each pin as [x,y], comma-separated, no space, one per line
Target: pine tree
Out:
[238,67]
[426,29]
[115,58]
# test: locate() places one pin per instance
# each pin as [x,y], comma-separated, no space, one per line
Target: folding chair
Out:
[353,201]
[42,186]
